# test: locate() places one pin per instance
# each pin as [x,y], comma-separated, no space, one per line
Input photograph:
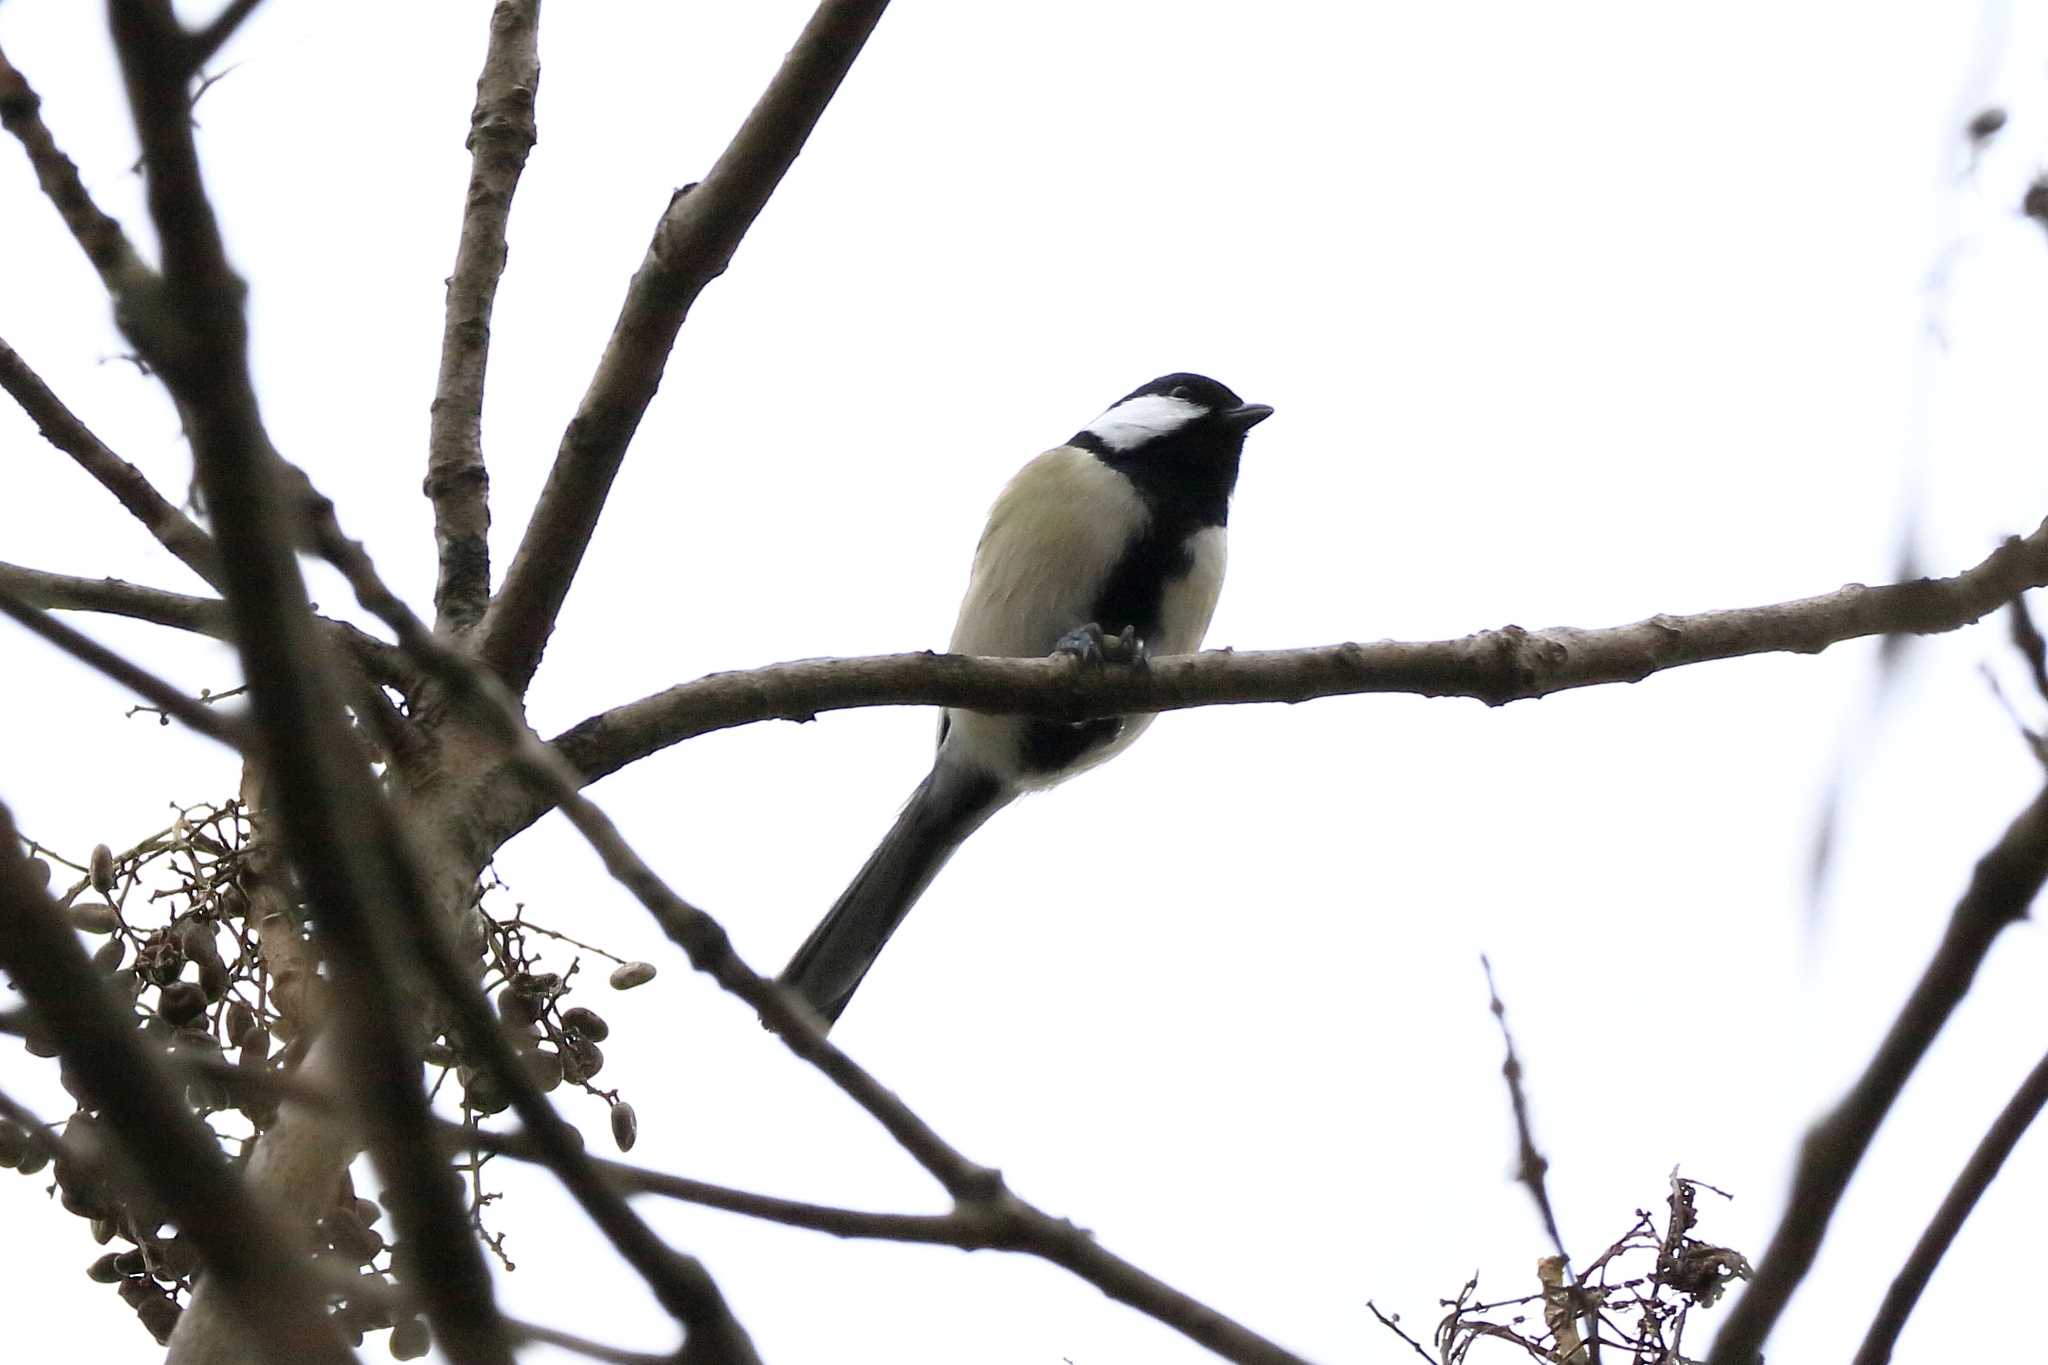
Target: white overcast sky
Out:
[1571,313]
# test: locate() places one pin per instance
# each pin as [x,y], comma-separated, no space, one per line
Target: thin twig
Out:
[182,611]
[173,530]
[1533,1165]
[137,679]
[99,236]
[501,134]
[692,245]
[1996,1145]
[2005,883]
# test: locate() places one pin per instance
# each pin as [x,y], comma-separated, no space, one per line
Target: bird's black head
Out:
[1178,438]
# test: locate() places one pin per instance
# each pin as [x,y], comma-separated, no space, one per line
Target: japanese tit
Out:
[1116,536]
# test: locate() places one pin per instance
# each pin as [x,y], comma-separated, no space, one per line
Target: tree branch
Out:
[2004,1134]
[261,1271]
[1495,666]
[173,530]
[338,830]
[141,681]
[2004,884]
[692,245]
[101,238]
[181,611]
[201,46]
[501,133]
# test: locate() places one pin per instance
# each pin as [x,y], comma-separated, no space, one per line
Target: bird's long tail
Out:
[950,804]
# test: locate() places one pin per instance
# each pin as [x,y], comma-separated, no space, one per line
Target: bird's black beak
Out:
[1245,416]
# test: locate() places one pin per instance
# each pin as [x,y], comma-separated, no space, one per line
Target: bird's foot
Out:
[1094,647]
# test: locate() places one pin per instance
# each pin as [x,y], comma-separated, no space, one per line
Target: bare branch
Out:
[501,133]
[101,238]
[202,45]
[1495,666]
[2004,884]
[259,1269]
[692,245]
[2004,1134]
[181,611]
[173,530]
[1533,1165]
[341,835]
[139,680]
[932,1229]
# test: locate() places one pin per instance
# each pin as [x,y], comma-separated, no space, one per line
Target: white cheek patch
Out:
[1135,421]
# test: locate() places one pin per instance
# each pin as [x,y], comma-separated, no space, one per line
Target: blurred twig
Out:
[2004,1134]
[2005,883]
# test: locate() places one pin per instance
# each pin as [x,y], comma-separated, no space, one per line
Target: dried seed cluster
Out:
[219,994]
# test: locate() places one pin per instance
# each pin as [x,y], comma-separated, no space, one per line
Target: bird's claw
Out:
[1093,647]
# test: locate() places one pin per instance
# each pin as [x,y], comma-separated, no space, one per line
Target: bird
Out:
[1107,548]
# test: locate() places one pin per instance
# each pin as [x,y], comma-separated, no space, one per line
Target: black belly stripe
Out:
[1134,595]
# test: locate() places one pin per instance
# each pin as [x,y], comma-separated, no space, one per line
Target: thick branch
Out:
[173,530]
[101,238]
[2005,883]
[2004,1134]
[692,245]
[339,831]
[251,1259]
[501,133]
[1495,666]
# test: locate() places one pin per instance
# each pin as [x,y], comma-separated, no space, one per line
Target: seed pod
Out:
[367,1212]
[581,1059]
[195,938]
[103,869]
[94,917]
[409,1339]
[103,1230]
[160,1318]
[175,1258]
[36,1159]
[589,1023]
[137,1291]
[39,871]
[480,1090]
[103,1270]
[242,1022]
[545,1069]
[255,1047]
[349,1237]
[38,1043]
[109,955]
[131,1262]
[181,1002]
[14,1144]
[627,975]
[518,1007]
[625,1126]
[160,961]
